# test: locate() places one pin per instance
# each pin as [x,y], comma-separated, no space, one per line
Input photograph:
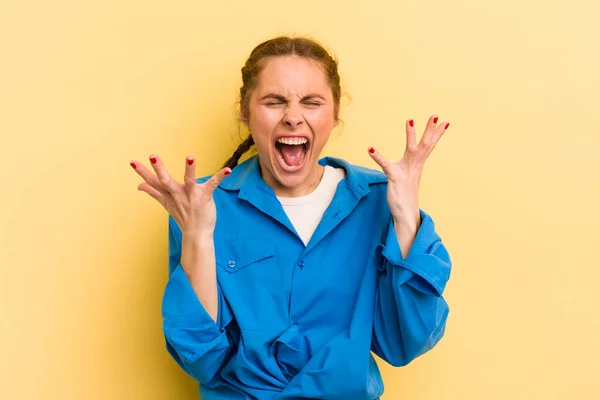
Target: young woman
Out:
[287,270]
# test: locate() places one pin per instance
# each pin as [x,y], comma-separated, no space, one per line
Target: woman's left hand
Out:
[404,176]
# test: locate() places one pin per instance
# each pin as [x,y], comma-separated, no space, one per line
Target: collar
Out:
[246,176]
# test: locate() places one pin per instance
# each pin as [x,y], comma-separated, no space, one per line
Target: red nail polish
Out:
[190,161]
[133,165]
[435,120]
[447,125]
[371,150]
[411,123]
[153,159]
[227,173]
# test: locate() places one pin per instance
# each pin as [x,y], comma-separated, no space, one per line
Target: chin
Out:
[292,161]
[291,177]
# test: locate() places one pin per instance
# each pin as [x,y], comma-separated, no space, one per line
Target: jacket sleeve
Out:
[198,344]
[410,312]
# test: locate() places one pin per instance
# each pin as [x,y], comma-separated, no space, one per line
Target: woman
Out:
[312,263]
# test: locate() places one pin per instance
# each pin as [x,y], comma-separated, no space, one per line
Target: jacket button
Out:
[301,264]
[231,264]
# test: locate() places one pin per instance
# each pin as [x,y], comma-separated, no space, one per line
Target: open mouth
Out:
[291,152]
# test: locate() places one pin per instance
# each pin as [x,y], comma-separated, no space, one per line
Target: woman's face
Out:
[291,115]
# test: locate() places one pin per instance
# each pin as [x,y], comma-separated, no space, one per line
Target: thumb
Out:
[379,159]
[216,179]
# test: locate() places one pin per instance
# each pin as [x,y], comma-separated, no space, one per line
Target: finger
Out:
[190,173]
[147,175]
[439,132]
[155,194]
[216,180]
[411,139]
[164,178]
[427,138]
[379,159]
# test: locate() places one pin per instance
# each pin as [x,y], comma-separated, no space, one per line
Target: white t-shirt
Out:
[306,212]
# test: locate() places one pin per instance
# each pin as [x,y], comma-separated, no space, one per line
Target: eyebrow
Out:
[282,98]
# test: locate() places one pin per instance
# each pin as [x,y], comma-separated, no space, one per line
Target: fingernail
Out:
[133,165]
[153,159]
[411,123]
[190,161]
[447,125]
[435,120]
[227,173]
[371,150]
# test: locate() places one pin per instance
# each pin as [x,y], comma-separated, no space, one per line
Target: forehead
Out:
[291,75]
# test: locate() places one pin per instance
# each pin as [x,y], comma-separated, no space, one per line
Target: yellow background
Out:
[85,86]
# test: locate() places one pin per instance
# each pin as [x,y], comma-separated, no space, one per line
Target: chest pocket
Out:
[236,253]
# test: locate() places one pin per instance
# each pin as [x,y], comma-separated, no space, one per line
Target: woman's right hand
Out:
[189,203]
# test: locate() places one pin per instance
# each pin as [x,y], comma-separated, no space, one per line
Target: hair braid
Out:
[239,152]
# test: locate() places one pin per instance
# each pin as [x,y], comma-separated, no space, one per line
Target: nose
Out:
[293,118]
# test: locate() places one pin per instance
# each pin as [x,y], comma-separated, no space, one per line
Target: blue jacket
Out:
[300,322]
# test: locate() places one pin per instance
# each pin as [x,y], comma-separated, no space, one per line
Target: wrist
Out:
[198,235]
[197,254]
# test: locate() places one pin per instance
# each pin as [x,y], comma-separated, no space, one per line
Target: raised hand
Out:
[189,203]
[404,176]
